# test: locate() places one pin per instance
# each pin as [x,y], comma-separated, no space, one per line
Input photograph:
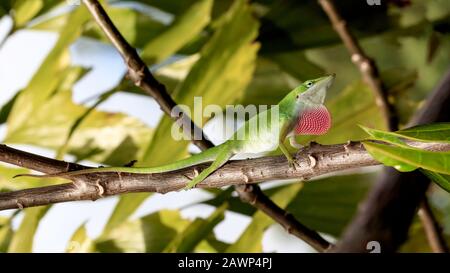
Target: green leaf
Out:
[49,74]
[22,240]
[76,124]
[25,10]
[80,241]
[327,205]
[151,233]
[388,137]
[6,108]
[110,138]
[301,24]
[188,239]
[269,84]
[136,27]
[441,180]
[6,233]
[5,7]
[181,31]
[435,132]
[174,7]
[250,240]
[126,206]
[8,183]
[211,245]
[219,77]
[389,161]
[408,159]
[171,75]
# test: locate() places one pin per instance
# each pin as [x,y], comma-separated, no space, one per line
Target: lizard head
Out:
[313,117]
[314,91]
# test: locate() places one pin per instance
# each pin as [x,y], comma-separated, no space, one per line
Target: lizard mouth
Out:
[317,93]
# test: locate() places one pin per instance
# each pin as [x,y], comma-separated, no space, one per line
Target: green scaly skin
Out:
[267,138]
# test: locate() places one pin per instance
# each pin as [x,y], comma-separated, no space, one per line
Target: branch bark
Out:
[313,161]
[143,78]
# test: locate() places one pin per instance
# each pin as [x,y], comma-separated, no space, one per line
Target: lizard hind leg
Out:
[221,159]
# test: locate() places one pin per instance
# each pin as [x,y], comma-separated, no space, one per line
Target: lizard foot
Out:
[293,164]
[191,184]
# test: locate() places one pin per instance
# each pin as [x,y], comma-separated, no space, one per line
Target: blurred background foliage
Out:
[228,52]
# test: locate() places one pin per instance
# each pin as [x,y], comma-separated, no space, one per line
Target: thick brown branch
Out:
[312,162]
[142,77]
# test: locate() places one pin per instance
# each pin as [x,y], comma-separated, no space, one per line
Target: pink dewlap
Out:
[313,121]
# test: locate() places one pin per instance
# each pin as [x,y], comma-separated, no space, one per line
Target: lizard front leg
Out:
[288,155]
[285,129]
[221,159]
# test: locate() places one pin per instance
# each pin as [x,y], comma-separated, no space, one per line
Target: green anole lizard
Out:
[301,112]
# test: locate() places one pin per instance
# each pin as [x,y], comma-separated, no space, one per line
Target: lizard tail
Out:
[206,156]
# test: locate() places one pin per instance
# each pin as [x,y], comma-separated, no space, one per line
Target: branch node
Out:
[100,189]
[356,58]
[245,178]
[19,205]
[119,174]
[312,161]
[351,146]
[196,172]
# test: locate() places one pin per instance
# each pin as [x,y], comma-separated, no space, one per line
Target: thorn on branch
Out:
[312,161]
[100,189]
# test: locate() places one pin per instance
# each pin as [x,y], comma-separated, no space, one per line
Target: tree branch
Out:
[35,162]
[312,161]
[139,73]
[433,231]
[290,224]
[143,78]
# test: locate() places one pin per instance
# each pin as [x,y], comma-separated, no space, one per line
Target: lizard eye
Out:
[309,84]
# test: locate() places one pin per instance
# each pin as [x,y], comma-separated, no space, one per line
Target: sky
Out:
[19,61]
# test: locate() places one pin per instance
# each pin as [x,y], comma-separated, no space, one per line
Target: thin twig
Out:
[290,224]
[365,64]
[143,78]
[432,228]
